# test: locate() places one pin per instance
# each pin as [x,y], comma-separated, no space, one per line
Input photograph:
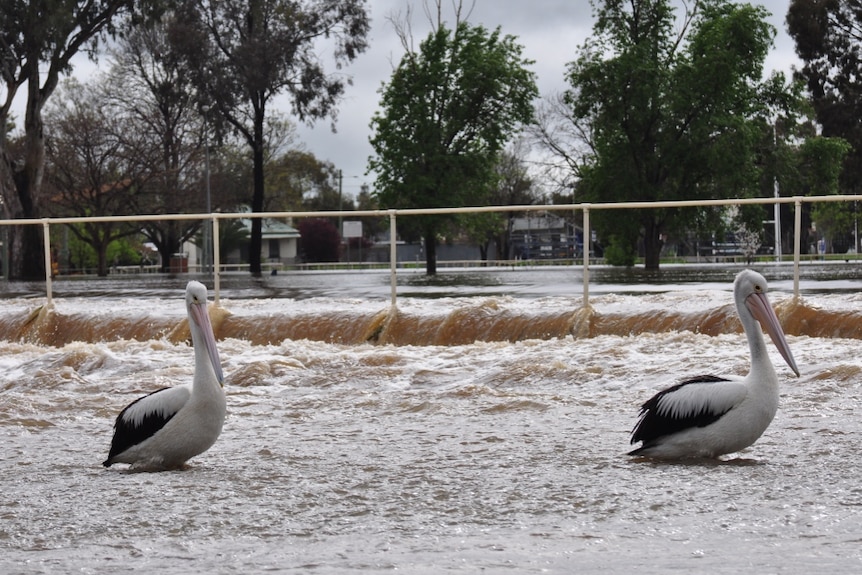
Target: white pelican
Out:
[166,428]
[709,416]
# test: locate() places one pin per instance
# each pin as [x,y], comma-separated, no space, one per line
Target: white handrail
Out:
[46,231]
[393,260]
[797,243]
[587,241]
[393,214]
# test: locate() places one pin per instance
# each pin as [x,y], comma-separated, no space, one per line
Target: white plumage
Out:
[168,427]
[708,416]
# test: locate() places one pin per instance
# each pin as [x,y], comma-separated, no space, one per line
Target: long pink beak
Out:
[759,307]
[200,316]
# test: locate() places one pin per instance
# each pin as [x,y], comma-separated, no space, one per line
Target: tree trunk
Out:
[256,239]
[653,244]
[430,253]
[28,261]
[256,243]
[167,243]
[102,252]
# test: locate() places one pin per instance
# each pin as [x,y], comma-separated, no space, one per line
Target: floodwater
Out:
[524,281]
[480,428]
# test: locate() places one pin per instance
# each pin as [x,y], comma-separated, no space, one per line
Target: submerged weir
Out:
[436,323]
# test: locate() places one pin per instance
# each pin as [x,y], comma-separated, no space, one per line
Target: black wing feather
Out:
[651,425]
[127,434]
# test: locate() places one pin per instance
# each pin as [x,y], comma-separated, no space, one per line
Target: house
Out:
[545,236]
[279,241]
[278,245]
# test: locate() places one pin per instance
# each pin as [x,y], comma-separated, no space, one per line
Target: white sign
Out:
[351,229]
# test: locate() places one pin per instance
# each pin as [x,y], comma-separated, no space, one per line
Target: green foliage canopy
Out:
[828,36]
[447,112]
[675,112]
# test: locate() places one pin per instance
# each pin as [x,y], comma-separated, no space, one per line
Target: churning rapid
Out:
[444,321]
[469,429]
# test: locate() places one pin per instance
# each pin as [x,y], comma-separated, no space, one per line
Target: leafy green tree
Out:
[828,36]
[821,163]
[243,53]
[447,112]
[671,109]
[620,251]
[74,255]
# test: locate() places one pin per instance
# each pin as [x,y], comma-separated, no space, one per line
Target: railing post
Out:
[49,288]
[216,261]
[797,243]
[587,235]
[393,260]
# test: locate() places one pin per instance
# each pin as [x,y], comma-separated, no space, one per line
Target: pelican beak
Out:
[200,316]
[759,307]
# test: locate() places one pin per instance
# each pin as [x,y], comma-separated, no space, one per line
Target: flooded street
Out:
[422,449]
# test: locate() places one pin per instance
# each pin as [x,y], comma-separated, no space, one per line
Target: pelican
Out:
[168,427]
[708,416]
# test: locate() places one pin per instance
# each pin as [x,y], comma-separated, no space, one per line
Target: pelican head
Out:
[749,289]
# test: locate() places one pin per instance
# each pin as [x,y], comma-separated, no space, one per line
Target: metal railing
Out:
[394,214]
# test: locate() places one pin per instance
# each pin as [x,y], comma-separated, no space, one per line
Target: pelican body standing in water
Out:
[168,427]
[709,416]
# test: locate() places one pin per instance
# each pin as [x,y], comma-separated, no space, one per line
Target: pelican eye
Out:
[758,288]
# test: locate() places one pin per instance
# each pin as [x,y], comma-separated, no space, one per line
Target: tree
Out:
[319,240]
[78,256]
[566,138]
[372,226]
[290,178]
[828,36]
[88,170]
[233,235]
[324,193]
[514,187]
[821,160]
[243,53]
[671,110]
[447,112]
[148,92]
[37,41]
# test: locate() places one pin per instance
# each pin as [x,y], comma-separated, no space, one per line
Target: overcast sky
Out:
[549,30]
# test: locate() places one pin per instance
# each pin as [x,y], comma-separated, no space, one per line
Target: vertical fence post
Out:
[587,236]
[393,260]
[46,231]
[216,261]
[797,243]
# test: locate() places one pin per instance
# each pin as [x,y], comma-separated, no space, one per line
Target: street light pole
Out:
[208,247]
[777,208]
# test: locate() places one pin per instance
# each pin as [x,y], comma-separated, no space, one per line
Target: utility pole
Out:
[340,228]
